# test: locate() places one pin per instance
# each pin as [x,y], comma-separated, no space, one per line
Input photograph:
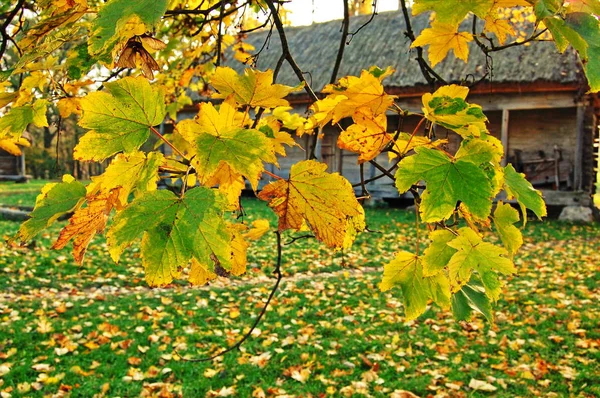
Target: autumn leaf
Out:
[448,181]
[120,119]
[367,136]
[441,38]
[504,218]
[484,257]
[218,137]
[352,94]
[254,88]
[200,273]
[437,255]
[68,106]
[452,11]
[175,230]
[13,123]
[406,271]
[310,195]
[518,187]
[229,182]
[113,17]
[55,200]
[13,146]
[498,26]
[448,108]
[86,222]
[471,298]
[135,172]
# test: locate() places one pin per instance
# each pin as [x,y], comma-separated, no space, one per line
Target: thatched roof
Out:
[382,42]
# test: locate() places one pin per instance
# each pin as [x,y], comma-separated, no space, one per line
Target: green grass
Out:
[22,194]
[97,326]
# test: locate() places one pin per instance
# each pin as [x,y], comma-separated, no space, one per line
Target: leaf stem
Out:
[159,135]
[275,176]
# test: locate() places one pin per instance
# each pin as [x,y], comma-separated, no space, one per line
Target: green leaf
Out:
[18,118]
[217,137]
[475,254]
[452,11]
[504,218]
[175,230]
[406,271]
[588,29]
[448,181]
[115,14]
[120,119]
[518,187]
[438,254]
[471,297]
[480,150]
[55,200]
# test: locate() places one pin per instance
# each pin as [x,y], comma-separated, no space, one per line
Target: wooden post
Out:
[580,127]
[504,135]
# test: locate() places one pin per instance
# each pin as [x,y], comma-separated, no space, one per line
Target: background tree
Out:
[123,66]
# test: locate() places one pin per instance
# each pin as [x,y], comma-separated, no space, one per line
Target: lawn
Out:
[96,329]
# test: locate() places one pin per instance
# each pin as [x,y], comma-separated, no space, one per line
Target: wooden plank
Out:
[504,134]
[580,132]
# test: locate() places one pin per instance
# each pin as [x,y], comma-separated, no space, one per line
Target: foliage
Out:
[78,56]
[92,327]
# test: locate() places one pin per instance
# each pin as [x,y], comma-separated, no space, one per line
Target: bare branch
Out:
[3,29]
[340,53]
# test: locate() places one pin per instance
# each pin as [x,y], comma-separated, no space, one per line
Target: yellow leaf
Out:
[239,248]
[87,222]
[405,143]
[200,274]
[68,106]
[12,146]
[242,52]
[367,136]
[229,183]
[324,201]
[254,88]
[352,93]
[500,27]
[259,228]
[442,38]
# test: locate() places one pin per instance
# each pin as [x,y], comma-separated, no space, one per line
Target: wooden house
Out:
[12,166]
[534,97]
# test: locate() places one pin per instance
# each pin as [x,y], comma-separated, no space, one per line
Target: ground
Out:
[96,329]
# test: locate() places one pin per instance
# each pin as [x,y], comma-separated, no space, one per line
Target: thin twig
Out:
[368,180]
[3,29]
[220,34]
[340,53]
[247,335]
[382,169]
[294,239]
[366,23]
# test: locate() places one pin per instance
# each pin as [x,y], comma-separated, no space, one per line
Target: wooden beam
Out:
[504,134]
[579,137]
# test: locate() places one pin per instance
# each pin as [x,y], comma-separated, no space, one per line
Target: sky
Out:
[306,12]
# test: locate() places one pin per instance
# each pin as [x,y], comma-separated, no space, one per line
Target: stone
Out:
[580,214]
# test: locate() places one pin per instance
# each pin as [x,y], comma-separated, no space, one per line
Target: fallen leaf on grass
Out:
[480,385]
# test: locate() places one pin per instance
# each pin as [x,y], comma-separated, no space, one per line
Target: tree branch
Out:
[5,36]
[340,53]
[247,335]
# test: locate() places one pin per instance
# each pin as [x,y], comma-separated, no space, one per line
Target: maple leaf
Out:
[18,118]
[436,257]
[217,136]
[254,88]
[475,254]
[120,119]
[442,38]
[448,181]
[135,172]
[324,201]
[448,108]
[504,218]
[175,230]
[471,297]
[200,273]
[55,200]
[498,26]
[113,16]
[352,93]
[452,11]
[587,6]
[518,187]
[367,136]
[406,270]
[229,182]
[86,222]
